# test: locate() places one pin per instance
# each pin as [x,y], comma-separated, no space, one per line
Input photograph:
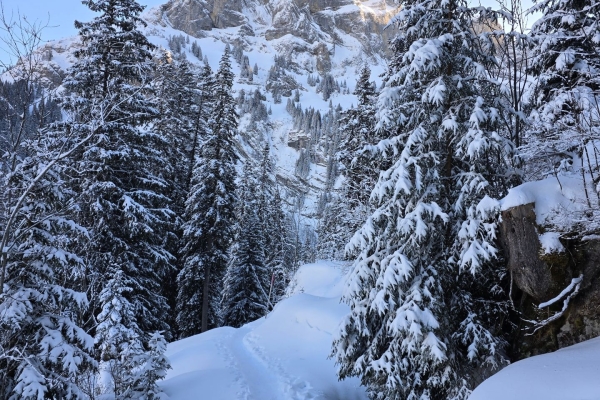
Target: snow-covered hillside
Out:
[327,38]
[281,356]
[571,373]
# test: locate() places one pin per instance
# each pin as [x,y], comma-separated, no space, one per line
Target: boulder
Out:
[538,277]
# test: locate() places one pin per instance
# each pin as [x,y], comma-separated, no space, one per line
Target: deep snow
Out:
[572,373]
[281,356]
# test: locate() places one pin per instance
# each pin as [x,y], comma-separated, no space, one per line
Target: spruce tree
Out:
[209,217]
[338,223]
[357,128]
[425,291]
[118,175]
[566,63]
[44,348]
[180,122]
[117,336]
[245,297]
[129,368]
[272,224]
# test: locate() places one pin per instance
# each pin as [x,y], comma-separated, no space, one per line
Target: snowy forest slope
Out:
[286,60]
[446,188]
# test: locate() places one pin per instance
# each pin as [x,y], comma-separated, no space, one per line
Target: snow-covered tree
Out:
[127,369]
[426,288]
[151,367]
[117,337]
[272,222]
[245,297]
[209,217]
[357,129]
[337,225]
[43,347]
[566,62]
[346,209]
[119,175]
[180,122]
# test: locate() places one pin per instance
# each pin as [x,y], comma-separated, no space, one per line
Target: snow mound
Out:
[281,356]
[552,196]
[567,374]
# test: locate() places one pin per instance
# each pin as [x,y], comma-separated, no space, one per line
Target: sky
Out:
[60,14]
[57,15]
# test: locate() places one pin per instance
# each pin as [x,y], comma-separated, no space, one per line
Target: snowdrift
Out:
[281,356]
[572,373]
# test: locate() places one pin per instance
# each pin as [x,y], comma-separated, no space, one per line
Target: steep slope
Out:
[290,44]
[281,356]
[285,49]
[321,21]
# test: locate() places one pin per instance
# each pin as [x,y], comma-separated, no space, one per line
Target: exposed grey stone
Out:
[541,277]
[311,20]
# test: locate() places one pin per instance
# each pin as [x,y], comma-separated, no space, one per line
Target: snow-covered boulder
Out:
[554,267]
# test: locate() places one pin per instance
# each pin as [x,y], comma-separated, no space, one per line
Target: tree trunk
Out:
[205,298]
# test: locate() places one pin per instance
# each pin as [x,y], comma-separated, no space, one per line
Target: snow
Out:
[560,202]
[547,194]
[574,282]
[567,374]
[550,243]
[281,356]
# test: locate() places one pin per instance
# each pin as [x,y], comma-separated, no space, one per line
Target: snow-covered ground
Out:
[572,373]
[281,356]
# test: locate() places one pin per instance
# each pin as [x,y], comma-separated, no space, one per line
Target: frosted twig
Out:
[574,285]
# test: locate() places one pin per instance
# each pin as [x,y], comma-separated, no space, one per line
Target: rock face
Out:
[310,20]
[195,16]
[539,277]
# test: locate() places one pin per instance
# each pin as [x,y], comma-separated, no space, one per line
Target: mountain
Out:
[320,24]
[294,46]
[304,51]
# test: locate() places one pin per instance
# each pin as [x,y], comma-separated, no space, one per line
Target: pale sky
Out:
[58,15]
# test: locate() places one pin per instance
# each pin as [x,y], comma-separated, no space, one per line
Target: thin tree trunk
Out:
[206,292]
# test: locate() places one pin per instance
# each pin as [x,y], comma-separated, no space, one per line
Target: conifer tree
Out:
[118,336]
[566,62]
[118,176]
[209,217]
[43,347]
[426,288]
[337,225]
[177,98]
[281,267]
[272,224]
[152,366]
[358,131]
[245,297]
[180,122]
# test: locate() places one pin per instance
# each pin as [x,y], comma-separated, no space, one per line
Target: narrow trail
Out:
[258,381]
[283,356]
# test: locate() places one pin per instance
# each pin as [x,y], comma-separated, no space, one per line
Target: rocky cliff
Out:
[323,21]
[557,292]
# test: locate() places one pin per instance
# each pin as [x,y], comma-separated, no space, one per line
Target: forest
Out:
[130,217]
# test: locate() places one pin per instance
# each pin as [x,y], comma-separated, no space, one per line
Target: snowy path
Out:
[259,382]
[281,357]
